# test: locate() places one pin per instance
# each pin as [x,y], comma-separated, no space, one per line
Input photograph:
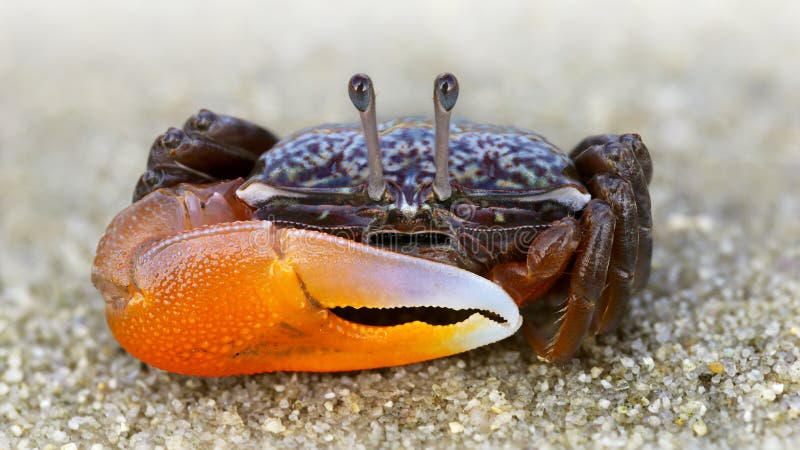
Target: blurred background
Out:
[713,88]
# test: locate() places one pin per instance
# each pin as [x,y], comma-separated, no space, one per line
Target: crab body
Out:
[445,230]
[508,184]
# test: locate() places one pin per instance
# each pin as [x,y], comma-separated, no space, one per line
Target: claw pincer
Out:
[193,288]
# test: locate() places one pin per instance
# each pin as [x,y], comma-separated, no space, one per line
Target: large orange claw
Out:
[238,297]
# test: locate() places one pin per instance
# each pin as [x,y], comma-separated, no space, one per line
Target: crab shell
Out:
[196,282]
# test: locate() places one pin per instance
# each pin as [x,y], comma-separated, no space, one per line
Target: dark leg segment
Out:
[201,154]
[210,147]
[586,282]
[619,159]
[230,131]
[631,140]
[617,193]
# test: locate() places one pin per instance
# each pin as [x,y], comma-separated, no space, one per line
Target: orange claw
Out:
[235,297]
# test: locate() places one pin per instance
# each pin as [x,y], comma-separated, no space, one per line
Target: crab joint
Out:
[248,296]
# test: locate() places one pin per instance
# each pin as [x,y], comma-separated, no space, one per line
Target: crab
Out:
[346,247]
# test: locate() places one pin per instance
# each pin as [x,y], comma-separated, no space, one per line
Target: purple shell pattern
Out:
[484,157]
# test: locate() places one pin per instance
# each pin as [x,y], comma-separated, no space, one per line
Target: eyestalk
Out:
[362,94]
[445,94]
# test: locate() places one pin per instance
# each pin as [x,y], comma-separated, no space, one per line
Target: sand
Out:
[708,358]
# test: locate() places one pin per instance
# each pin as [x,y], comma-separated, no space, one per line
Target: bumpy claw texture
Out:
[165,213]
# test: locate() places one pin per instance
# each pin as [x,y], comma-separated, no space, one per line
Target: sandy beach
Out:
[709,356]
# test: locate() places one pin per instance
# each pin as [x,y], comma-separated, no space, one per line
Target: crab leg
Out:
[230,131]
[244,297]
[210,147]
[586,282]
[632,140]
[627,157]
[619,195]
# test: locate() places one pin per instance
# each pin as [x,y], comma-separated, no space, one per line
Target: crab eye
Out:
[360,90]
[447,87]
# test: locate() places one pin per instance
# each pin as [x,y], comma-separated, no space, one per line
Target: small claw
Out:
[247,297]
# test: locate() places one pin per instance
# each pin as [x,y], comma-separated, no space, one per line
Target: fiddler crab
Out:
[353,247]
